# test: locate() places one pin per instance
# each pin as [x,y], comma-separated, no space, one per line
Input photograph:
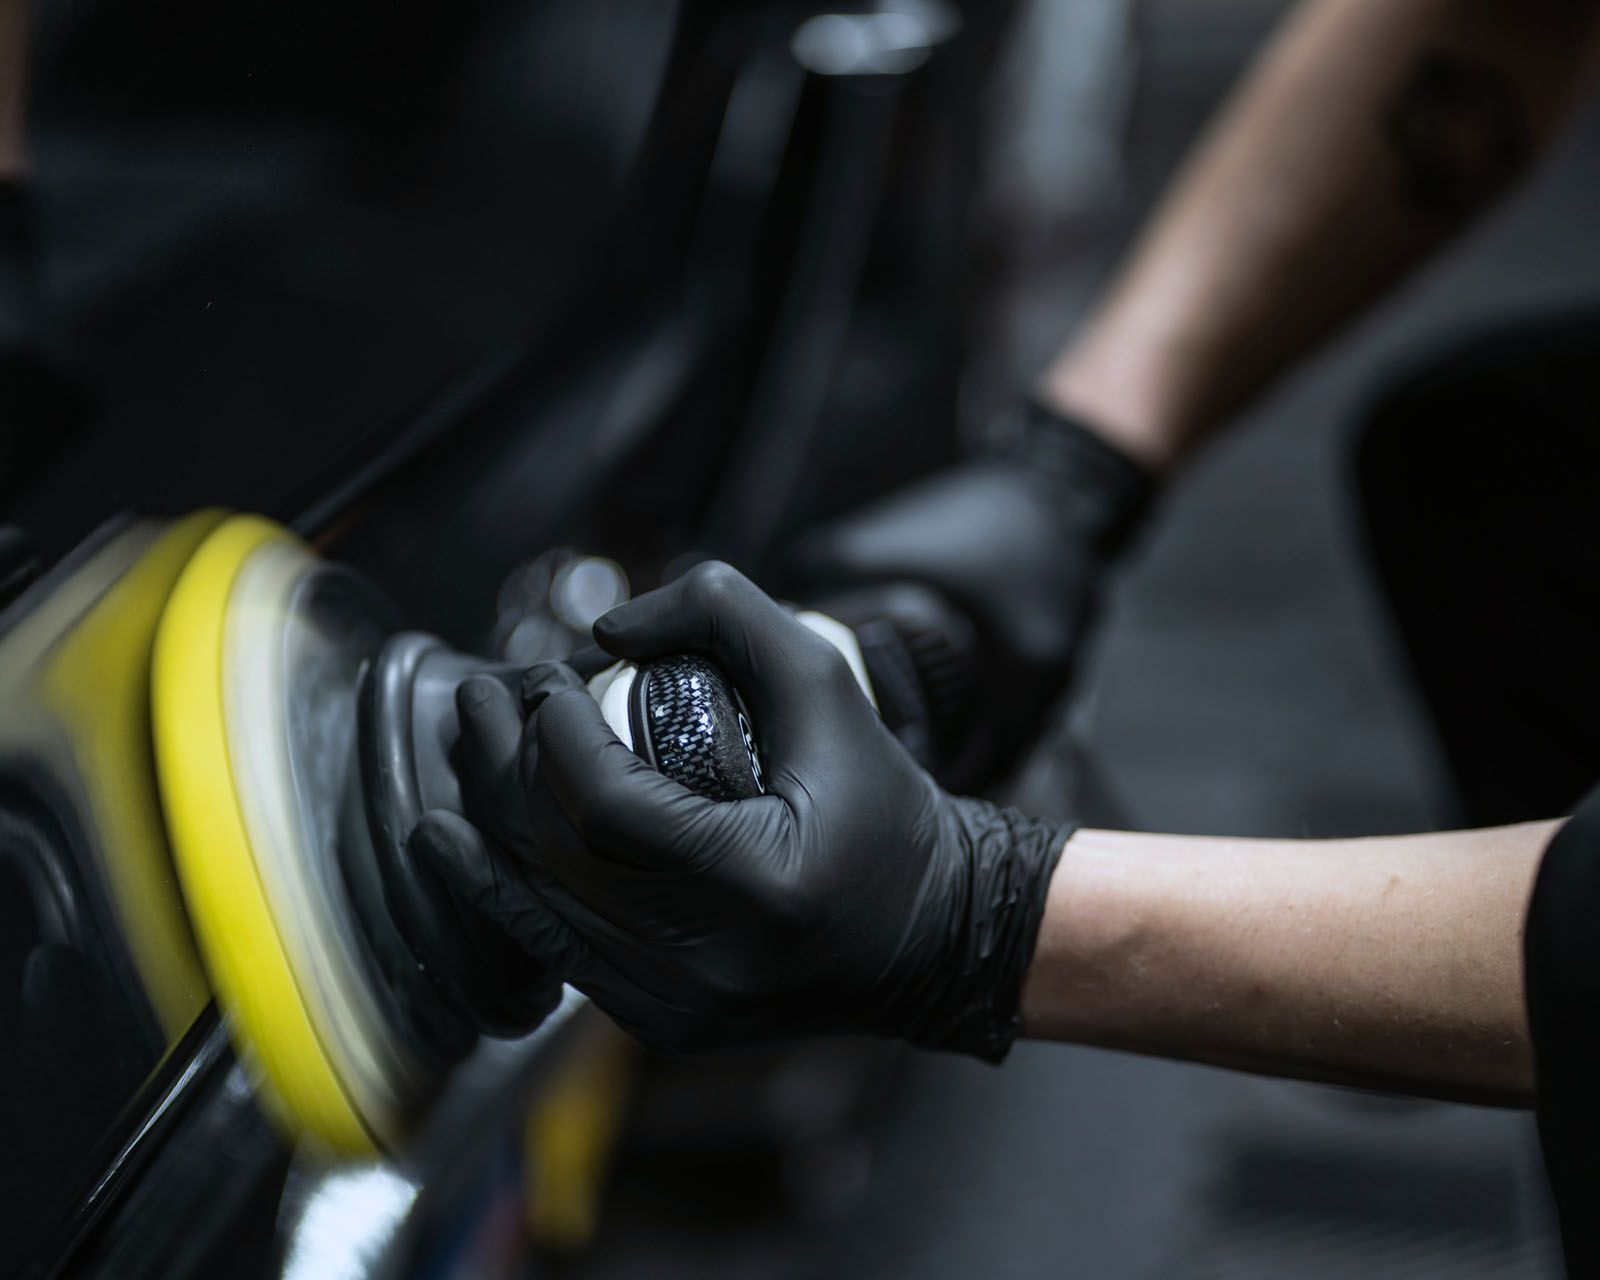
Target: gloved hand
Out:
[493,982]
[856,896]
[1018,540]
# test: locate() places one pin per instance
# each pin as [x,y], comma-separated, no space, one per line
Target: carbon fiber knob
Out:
[689,722]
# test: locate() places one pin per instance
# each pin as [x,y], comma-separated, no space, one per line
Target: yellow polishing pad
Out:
[262,892]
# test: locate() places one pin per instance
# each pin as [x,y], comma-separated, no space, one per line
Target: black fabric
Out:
[1477,473]
[1478,476]
[1563,977]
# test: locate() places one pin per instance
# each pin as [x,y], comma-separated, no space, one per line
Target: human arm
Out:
[1390,962]
[854,895]
[1369,133]
[857,896]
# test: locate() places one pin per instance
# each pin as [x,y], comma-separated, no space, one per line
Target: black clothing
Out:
[1478,485]
[1563,976]
[1477,477]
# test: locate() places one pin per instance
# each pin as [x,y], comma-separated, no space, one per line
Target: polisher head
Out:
[258,660]
[299,738]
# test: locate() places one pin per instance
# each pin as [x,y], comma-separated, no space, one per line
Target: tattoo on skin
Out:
[1458,128]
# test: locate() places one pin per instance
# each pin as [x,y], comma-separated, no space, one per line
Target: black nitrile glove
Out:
[856,896]
[1018,541]
[506,990]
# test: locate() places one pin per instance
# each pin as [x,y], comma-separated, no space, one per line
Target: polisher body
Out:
[300,736]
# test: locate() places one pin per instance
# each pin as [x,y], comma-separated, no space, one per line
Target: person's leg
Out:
[1479,478]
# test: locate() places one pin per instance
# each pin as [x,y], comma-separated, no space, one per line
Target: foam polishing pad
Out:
[258,657]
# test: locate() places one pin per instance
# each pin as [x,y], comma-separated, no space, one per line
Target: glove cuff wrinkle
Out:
[1010,861]
[1105,490]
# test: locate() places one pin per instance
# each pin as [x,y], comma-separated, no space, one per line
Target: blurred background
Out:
[450,285]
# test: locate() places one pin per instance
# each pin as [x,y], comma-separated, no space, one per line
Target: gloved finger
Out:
[491,726]
[588,661]
[898,536]
[538,683]
[793,680]
[488,896]
[574,947]
[449,855]
[612,798]
[466,864]
[628,978]
[687,615]
[560,937]
[544,678]
[822,559]
[459,854]
[490,754]
[718,878]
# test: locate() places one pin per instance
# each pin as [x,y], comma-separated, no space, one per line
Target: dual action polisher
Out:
[300,734]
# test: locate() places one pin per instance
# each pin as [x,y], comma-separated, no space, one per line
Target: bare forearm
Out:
[1393,962]
[1370,132]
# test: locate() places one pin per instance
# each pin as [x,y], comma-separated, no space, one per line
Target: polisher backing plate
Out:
[253,691]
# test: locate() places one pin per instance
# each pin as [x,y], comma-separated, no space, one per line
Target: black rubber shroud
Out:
[408,732]
[335,626]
